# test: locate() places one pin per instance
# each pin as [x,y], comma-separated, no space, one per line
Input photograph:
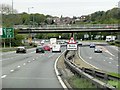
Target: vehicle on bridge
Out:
[21,49]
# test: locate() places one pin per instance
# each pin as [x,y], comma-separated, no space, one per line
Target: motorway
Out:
[30,70]
[106,61]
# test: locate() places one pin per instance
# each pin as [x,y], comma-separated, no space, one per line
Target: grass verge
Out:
[114,74]
[81,83]
[115,84]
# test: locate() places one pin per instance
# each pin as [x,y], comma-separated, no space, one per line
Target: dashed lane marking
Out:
[33,59]
[111,58]
[117,65]
[29,61]
[18,66]
[24,64]
[3,76]
[109,62]
[90,57]
[11,70]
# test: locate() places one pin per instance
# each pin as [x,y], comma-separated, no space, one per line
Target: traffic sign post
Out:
[8,33]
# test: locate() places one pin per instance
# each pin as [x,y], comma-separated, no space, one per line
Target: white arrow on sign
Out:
[1,33]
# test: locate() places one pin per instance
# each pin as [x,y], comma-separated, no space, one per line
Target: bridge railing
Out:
[67,26]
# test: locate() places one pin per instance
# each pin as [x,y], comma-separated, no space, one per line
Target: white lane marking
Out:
[24,64]
[86,61]
[29,61]
[33,59]
[11,70]
[32,52]
[109,53]
[3,76]
[104,60]
[57,73]
[117,65]
[118,50]
[109,62]
[111,58]
[90,57]
[18,66]
[51,55]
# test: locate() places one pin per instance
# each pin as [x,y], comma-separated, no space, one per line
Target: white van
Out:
[56,48]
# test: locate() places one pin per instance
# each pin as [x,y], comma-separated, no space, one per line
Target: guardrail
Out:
[89,73]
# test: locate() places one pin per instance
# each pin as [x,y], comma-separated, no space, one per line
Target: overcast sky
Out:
[62,7]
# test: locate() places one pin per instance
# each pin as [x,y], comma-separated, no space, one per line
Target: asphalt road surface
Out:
[30,70]
[107,60]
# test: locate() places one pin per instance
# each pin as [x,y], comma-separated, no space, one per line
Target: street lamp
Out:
[29,13]
[30,36]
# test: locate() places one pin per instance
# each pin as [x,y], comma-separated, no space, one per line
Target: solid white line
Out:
[104,60]
[109,62]
[57,73]
[3,76]
[33,59]
[86,61]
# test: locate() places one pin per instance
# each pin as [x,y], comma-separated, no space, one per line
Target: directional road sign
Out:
[8,33]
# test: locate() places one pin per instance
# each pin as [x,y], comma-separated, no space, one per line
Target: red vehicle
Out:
[46,48]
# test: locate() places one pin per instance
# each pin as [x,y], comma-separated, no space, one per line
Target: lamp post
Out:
[30,36]
[12,23]
[33,14]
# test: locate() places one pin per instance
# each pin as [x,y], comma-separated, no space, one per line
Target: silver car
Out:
[98,50]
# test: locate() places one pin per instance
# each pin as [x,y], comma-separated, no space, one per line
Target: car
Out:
[21,49]
[39,45]
[56,48]
[79,43]
[98,50]
[92,45]
[46,48]
[40,50]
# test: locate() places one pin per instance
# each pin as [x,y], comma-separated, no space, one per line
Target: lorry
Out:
[53,41]
[110,38]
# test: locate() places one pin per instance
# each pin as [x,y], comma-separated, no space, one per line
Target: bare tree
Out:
[7,9]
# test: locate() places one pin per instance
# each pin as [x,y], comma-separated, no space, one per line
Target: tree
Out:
[7,9]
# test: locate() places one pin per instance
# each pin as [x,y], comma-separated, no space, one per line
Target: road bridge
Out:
[68,28]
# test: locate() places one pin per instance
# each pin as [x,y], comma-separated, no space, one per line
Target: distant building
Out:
[83,17]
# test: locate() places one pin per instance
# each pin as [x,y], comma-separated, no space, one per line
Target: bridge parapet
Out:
[67,26]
